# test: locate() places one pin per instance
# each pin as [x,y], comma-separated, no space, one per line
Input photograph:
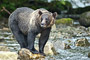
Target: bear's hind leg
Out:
[18,35]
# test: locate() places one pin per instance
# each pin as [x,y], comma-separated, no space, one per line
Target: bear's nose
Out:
[42,24]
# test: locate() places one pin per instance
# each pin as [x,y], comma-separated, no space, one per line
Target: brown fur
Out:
[26,23]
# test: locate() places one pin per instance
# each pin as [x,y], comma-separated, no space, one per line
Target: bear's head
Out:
[47,19]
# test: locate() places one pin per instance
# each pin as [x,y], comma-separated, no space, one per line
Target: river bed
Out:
[66,33]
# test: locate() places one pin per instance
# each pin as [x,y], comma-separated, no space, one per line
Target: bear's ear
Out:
[40,13]
[54,14]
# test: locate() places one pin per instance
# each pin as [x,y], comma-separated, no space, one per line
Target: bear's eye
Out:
[46,18]
[46,21]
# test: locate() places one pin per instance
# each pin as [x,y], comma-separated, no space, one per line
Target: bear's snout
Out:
[43,23]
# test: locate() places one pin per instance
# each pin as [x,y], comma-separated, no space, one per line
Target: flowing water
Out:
[75,53]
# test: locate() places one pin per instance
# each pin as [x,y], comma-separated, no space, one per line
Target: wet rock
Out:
[85,19]
[60,45]
[89,55]
[1,39]
[8,55]
[50,49]
[4,48]
[82,42]
[25,54]
[38,36]
[53,28]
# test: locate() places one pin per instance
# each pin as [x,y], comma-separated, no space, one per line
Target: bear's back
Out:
[23,10]
[21,16]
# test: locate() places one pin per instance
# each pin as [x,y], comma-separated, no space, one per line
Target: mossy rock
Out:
[67,21]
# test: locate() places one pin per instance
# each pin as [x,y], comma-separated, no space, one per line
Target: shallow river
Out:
[75,53]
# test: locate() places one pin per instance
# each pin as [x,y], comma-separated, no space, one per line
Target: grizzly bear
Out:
[25,23]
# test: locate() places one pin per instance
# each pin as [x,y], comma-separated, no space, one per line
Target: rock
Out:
[38,36]
[8,55]
[89,55]
[1,39]
[4,48]
[25,54]
[49,49]
[67,21]
[5,29]
[85,19]
[60,45]
[82,42]
[53,28]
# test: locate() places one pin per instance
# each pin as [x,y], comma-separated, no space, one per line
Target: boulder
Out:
[85,19]
[82,42]
[66,21]
[49,49]
[6,55]
[53,28]
[25,54]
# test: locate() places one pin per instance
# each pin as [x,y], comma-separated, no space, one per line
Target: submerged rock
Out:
[5,55]
[82,42]
[25,54]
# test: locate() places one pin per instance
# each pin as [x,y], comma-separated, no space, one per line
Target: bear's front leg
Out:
[43,39]
[30,41]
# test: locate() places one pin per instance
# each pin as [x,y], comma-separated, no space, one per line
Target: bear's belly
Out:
[23,26]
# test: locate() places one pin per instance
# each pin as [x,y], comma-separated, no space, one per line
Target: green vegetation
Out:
[67,21]
[54,5]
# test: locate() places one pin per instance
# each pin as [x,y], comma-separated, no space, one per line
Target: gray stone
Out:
[85,19]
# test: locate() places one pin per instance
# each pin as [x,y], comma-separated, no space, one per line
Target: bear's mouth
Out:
[43,26]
